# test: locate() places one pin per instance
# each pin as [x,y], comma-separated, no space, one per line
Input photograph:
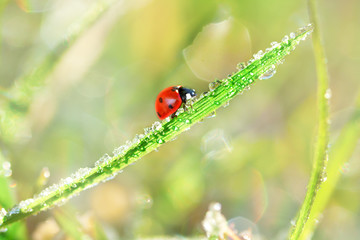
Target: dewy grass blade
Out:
[339,154]
[318,173]
[221,92]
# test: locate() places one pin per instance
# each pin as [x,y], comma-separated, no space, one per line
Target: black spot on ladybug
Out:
[171,106]
[158,114]
[160,100]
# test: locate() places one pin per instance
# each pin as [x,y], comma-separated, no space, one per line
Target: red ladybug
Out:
[170,99]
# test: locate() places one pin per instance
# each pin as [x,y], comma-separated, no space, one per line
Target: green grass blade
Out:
[339,154]
[221,92]
[20,96]
[318,174]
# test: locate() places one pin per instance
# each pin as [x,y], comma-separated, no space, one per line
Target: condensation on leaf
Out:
[269,73]
[217,49]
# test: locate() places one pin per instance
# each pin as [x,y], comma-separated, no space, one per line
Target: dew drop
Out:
[285,39]
[45,172]
[160,141]
[226,104]
[217,103]
[211,115]
[328,93]
[15,210]
[187,121]
[269,73]
[105,159]
[323,178]
[241,66]
[213,85]
[2,215]
[3,230]
[274,44]
[157,126]
[258,55]
[293,223]
[147,131]
[175,128]
[292,35]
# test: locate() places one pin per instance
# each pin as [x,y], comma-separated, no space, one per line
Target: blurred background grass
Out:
[254,157]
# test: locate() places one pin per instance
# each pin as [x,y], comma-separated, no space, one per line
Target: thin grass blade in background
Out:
[21,94]
[339,154]
[318,173]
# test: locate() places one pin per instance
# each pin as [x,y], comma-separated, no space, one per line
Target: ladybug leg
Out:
[173,115]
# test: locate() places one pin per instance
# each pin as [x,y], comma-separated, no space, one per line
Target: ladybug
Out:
[170,99]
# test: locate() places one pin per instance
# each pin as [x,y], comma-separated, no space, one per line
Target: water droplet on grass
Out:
[45,172]
[213,85]
[241,66]
[160,141]
[328,93]
[211,115]
[258,55]
[269,73]
[274,44]
[157,126]
[2,215]
[285,39]
[293,222]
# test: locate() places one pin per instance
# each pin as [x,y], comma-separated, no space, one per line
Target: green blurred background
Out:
[254,157]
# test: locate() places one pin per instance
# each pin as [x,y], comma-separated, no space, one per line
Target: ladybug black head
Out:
[186,94]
